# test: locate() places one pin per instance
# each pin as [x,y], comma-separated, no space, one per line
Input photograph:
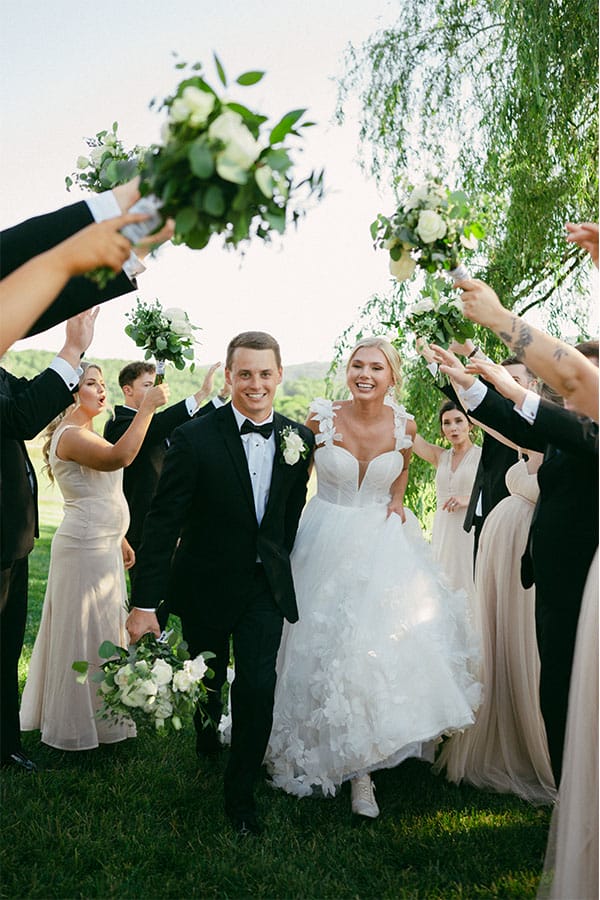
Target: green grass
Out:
[144,819]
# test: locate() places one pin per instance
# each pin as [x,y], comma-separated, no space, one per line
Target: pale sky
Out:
[71,69]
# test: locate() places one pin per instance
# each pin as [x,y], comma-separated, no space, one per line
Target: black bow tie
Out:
[266,429]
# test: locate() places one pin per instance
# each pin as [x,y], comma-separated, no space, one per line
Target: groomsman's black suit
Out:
[495,460]
[216,585]
[140,478]
[26,407]
[562,542]
[27,239]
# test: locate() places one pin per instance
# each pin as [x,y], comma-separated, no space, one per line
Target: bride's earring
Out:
[390,391]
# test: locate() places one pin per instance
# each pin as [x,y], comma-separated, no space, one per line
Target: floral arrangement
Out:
[165,334]
[438,316]
[107,163]
[152,682]
[433,228]
[292,446]
[221,169]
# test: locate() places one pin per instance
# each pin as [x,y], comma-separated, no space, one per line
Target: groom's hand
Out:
[140,622]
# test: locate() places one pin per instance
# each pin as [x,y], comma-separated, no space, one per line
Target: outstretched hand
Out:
[586,235]
[480,302]
[500,377]
[451,366]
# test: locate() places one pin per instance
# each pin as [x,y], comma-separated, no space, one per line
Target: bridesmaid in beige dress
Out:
[85,600]
[455,473]
[506,750]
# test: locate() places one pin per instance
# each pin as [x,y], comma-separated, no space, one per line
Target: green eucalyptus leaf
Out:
[220,70]
[214,201]
[250,78]
[285,125]
[107,649]
[185,220]
[80,666]
[201,159]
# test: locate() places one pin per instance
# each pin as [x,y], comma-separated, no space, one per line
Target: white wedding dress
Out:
[382,660]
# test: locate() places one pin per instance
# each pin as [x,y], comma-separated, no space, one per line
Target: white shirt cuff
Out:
[191,405]
[103,206]
[217,402]
[145,608]
[69,375]
[529,407]
[472,397]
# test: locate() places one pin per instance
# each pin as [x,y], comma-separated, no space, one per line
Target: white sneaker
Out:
[363,798]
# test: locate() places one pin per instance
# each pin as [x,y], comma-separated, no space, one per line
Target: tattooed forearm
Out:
[519,339]
[559,352]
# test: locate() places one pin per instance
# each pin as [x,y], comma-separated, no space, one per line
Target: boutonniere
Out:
[292,446]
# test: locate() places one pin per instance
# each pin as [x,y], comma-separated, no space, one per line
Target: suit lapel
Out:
[233,442]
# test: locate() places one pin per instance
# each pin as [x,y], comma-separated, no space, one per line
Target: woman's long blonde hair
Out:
[390,353]
[49,432]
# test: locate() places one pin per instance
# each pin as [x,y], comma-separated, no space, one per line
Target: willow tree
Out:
[500,97]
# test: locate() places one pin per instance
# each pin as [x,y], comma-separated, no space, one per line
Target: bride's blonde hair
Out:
[390,353]
[49,432]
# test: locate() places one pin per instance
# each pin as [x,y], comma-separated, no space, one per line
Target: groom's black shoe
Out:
[246,825]
[19,763]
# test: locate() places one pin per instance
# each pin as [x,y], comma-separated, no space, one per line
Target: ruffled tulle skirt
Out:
[383,658]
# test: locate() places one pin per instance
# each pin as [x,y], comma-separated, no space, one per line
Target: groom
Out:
[227,492]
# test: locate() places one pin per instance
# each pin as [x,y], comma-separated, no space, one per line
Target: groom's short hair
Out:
[133,370]
[253,340]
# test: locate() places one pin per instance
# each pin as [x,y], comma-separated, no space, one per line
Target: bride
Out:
[380,663]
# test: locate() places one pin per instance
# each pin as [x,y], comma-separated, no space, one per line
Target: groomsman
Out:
[228,494]
[141,477]
[26,407]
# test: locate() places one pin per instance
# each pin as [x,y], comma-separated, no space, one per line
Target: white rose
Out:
[240,149]
[122,675]
[421,306]
[162,672]
[291,456]
[83,162]
[200,104]
[390,242]
[182,681]
[137,695]
[418,195]
[165,132]
[402,268]
[431,226]
[264,179]
[197,668]
[163,709]
[179,110]
[179,321]
[96,154]
[293,441]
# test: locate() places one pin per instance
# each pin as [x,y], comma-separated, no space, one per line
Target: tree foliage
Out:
[502,97]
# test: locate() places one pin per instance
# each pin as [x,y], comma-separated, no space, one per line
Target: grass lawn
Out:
[144,819]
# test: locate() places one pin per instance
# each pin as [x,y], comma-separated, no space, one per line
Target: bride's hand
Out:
[128,554]
[454,504]
[395,506]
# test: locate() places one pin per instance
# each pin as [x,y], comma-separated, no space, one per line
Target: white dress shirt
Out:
[260,453]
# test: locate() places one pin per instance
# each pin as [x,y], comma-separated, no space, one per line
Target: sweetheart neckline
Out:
[357,461]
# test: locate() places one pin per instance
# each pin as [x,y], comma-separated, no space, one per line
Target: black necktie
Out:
[266,429]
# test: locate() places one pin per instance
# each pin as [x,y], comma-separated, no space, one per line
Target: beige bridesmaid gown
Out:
[85,604]
[506,749]
[452,546]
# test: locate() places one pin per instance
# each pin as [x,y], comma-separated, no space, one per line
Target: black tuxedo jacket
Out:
[140,478]
[26,407]
[204,496]
[564,533]
[495,460]
[26,240]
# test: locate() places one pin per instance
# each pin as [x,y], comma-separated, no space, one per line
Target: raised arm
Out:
[558,364]
[89,449]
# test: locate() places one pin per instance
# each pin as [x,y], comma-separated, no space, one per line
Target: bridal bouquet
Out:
[433,229]
[165,334]
[221,168]
[438,316]
[152,682]
[107,163]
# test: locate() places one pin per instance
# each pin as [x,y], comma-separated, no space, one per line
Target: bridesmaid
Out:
[455,473]
[86,598]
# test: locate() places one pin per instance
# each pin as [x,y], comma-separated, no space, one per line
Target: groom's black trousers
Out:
[256,629]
